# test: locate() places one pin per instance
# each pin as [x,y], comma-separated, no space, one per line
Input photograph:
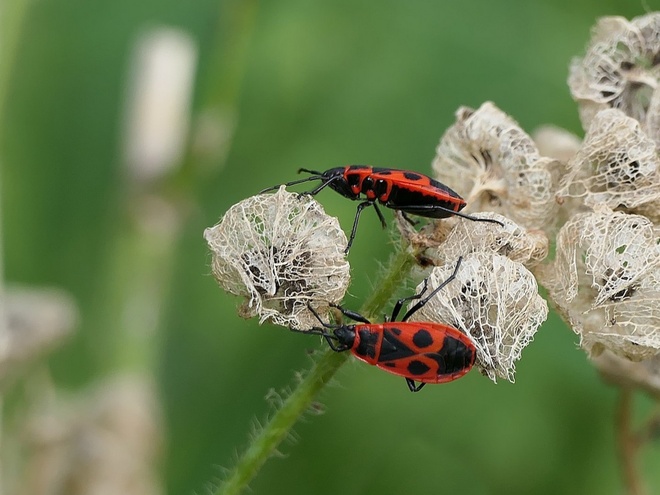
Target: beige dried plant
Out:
[282,253]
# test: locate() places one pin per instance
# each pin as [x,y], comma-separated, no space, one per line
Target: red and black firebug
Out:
[403,190]
[423,352]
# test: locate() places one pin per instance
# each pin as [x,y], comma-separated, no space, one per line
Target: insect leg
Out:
[380,216]
[413,386]
[399,304]
[323,185]
[408,219]
[421,303]
[360,207]
[351,314]
[330,338]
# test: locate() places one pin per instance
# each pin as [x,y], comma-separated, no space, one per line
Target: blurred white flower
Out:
[159,96]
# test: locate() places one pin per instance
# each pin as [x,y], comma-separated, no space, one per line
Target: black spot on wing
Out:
[382,171]
[417,368]
[454,356]
[446,189]
[412,176]
[422,338]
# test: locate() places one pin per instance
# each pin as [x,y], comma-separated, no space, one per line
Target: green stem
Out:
[277,429]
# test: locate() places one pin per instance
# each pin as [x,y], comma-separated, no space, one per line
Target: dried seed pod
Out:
[282,252]
[617,165]
[488,159]
[512,241]
[619,69]
[495,302]
[606,281]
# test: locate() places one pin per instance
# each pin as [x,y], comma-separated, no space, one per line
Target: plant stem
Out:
[12,21]
[628,443]
[277,429]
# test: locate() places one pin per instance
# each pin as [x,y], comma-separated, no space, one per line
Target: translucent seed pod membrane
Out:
[495,302]
[617,165]
[620,70]
[510,240]
[606,281]
[497,167]
[281,252]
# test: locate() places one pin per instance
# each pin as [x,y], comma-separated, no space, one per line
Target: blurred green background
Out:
[313,84]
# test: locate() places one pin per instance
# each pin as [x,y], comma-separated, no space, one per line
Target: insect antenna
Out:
[477,219]
[294,182]
[314,172]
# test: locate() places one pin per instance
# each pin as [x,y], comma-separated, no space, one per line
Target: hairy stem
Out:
[301,398]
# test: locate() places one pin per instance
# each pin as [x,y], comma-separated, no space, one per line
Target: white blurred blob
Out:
[103,441]
[38,320]
[158,101]
[556,142]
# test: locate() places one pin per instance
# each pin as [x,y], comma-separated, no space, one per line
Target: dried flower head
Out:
[495,302]
[617,165]
[282,252]
[606,281]
[488,159]
[620,68]
[464,237]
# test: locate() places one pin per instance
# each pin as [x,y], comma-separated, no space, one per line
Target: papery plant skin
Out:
[605,280]
[495,302]
[617,165]
[490,161]
[620,70]
[282,252]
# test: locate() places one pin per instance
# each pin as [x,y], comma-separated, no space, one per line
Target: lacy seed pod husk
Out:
[462,237]
[619,69]
[281,252]
[495,302]
[617,164]
[606,281]
[490,161]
